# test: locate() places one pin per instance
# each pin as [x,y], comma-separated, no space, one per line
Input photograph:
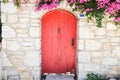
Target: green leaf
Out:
[92,76]
[17,4]
[74,9]
[71,4]
[118,13]
[111,16]
[4,1]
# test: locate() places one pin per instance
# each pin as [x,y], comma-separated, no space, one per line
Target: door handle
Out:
[59,30]
[72,42]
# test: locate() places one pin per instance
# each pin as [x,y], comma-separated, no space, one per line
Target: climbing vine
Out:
[17,3]
[97,9]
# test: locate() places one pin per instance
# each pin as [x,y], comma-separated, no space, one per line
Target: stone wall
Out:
[98,49]
[21,42]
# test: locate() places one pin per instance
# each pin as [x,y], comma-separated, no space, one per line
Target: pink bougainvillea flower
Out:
[112,8]
[37,1]
[36,9]
[108,7]
[117,19]
[89,10]
[82,1]
[71,1]
[44,6]
[118,1]
[102,3]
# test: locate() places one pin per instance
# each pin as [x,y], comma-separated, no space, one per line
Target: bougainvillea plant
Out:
[97,9]
[93,8]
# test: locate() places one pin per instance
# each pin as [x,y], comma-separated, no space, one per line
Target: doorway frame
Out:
[77,36]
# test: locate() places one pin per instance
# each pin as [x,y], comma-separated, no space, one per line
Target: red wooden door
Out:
[59,42]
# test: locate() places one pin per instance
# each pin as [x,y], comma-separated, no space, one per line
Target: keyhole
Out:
[58,30]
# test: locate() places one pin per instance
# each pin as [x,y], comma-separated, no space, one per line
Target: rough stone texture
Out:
[83,57]
[23,35]
[9,72]
[34,15]
[3,18]
[36,73]
[22,30]
[37,44]
[32,58]
[34,32]
[110,61]
[96,60]
[96,54]
[12,18]
[107,46]
[20,25]
[8,8]
[92,45]
[6,60]
[80,44]
[4,44]
[80,67]
[98,49]
[13,77]
[85,32]
[116,50]
[115,39]
[82,75]
[111,26]
[14,46]
[8,32]
[111,33]
[91,67]
[100,31]
[24,20]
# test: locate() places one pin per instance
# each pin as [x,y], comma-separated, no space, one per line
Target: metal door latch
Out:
[59,30]
[72,42]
